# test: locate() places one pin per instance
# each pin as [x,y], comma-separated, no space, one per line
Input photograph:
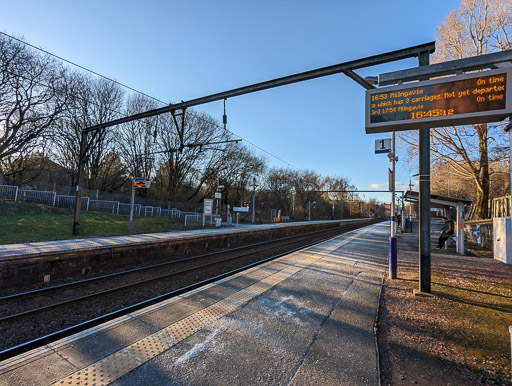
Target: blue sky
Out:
[180,50]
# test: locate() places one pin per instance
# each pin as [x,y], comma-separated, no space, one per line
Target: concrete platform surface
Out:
[306,318]
[60,246]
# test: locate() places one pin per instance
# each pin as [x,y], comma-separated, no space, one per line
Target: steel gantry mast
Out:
[178,109]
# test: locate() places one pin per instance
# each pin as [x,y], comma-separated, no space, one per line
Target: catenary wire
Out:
[137,91]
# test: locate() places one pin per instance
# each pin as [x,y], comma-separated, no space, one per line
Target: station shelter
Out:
[446,202]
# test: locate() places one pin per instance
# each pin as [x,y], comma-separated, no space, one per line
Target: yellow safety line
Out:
[127,359]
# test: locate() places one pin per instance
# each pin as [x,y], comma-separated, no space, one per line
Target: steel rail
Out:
[46,290]
[122,288]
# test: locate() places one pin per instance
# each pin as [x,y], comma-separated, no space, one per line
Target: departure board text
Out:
[441,102]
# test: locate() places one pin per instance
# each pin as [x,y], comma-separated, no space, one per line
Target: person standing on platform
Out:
[446,231]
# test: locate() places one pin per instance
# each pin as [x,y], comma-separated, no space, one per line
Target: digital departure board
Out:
[457,100]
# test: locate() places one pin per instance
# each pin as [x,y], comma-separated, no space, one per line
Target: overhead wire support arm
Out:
[290,79]
[180,125]
[346,68]
[358,79]
[190,146]
[493,60]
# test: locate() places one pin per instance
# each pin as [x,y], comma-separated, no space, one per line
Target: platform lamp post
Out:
[293,204]
[253,200]
[217,193]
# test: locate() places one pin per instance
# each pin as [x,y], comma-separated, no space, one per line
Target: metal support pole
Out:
[393,209]
[341,209]
[293,205]
[402,226]
[424,199]
[460,229]
[509,129]
[81,170]
[253,199]
[392,238]
[132,204]
[309,210]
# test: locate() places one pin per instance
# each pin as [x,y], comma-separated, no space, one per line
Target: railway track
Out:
[33,318]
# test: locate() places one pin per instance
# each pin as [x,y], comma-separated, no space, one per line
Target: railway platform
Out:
[305,318]
[31,249]
[56,261]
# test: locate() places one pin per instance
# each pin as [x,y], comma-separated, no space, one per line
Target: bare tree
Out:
[93,102]
[278,187]
[239,165]
[181,174]
[477,27]
[33,96]
[136,140]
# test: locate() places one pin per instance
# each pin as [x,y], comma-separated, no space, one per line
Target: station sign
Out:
[383,146]
[141,183]
[208,207]
[450,101]
[240,209]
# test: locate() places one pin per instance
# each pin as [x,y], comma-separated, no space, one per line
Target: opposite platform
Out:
[306,318]
[62,246]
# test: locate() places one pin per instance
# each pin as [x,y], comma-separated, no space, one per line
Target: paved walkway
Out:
[306,318]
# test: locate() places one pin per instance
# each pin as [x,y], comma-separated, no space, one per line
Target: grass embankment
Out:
[473,314]
[20,222]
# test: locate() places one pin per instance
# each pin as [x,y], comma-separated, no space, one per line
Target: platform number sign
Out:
[383,146]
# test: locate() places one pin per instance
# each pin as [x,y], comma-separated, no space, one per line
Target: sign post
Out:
[450,101]
[392,256]
[383,146]
[424,198]
[137,183]
[218,196]
[207,208]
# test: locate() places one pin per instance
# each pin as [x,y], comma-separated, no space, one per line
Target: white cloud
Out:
[398,186]
[378,186]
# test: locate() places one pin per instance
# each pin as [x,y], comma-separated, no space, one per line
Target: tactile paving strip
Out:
[114,366]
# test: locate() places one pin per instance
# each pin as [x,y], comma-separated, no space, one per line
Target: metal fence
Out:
[37,196]
[171,212]
[500,207]
[8,192]
[13,193]
[104,206]
[150,211]
[125,209]
[63,201]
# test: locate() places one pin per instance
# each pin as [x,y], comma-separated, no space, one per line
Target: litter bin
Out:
[408,225]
